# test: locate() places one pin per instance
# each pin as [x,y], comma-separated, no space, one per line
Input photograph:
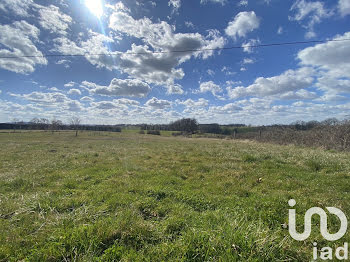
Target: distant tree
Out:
[74,122]
[188,125]
[330,122]
[34,123]
[299,125]
[15,122]
[228,131]
[210,128]
[312,124]
[56,125]
[44,123]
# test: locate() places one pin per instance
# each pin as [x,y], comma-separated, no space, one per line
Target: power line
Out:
[178,51]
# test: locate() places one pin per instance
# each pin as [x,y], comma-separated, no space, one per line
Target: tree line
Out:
[73,123]
[191,126]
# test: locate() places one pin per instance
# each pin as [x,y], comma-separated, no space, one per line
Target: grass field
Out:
[131,197]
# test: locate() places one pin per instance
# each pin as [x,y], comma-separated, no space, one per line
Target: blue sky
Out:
[144,81]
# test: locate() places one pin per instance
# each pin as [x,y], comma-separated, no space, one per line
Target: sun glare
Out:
[95,7]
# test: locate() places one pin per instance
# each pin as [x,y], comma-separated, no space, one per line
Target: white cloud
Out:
[105,105]
[70,84]
[44,98]
[290,80]
[327,82]
[222,2]
[19,39]
[120,87]
[231,83]
[298,95]
[248,61]
[209,86]
[314,12]
[280,30]
[189,24]
[227,71]
[332,97]
[86,99]
[52,19]
[54,101]
[243,23]
[248,47]
[127,102]
[159,68]
[158,103]
[210,72]
[324,66]
[63,62]
[66,46]
[243,3]
[175,4]
[174,89]
[200,103]
[122,104]
[95,44]
[74,106]
[331,56]
[230,108]
[74,91]
[17,7]
[344,7]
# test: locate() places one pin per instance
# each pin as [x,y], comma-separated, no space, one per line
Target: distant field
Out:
[131,197]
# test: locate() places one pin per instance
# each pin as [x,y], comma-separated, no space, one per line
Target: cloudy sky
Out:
[112,62]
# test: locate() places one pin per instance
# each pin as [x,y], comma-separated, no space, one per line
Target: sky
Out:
[113,62]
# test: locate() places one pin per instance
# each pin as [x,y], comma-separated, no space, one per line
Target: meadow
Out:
[130,197]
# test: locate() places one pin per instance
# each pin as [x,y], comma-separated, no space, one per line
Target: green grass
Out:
[131,197]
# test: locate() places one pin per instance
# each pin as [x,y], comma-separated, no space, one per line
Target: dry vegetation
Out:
[326,136]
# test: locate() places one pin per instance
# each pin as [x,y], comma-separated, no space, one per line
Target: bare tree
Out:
[55,125]
[15,122]
[34,123]
[75,123]
[44,123]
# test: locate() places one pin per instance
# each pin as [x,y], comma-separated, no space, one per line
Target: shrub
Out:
[153,132]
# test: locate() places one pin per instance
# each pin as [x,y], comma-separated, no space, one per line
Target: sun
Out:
[95,7]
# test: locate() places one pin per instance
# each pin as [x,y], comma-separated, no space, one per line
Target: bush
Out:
[153,132]
[142,132]
[182,133]
[328,135]
[210,128]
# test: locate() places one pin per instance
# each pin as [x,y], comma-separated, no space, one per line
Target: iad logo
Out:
[326,253]
[323,223]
